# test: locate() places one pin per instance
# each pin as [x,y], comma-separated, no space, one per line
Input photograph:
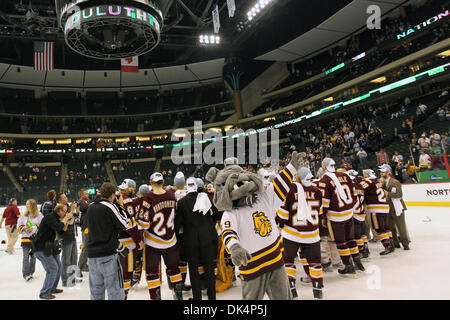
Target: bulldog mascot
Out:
[249,230]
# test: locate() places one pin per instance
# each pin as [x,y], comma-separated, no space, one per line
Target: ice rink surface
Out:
[415,274]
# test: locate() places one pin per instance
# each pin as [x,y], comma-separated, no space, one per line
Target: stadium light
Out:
[209,39]
[257,8]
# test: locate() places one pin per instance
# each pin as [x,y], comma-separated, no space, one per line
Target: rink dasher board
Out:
[435,194]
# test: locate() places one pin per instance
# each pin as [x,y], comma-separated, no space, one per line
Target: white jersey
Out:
[22,224]
[255,227]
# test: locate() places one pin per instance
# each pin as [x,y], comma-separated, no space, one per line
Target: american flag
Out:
[43,55]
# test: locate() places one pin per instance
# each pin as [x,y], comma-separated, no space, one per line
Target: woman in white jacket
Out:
[28,225]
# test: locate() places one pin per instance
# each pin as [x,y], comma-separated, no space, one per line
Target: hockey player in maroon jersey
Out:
[137,270]
[338,202]
[298,218]
[378,208]
[359,215]
[156,216]
[129,255]
[328,251]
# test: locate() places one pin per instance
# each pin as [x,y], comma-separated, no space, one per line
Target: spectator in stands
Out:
[10,215]
[346,154]
[69,244]
[445,141]
[441,113]
[443,94]
[372,126]
[424,161]
[436,163]
[47,206]
[402,110]
[421,111]
[411,122]
[28,225]
[356,147]
[372,141]
[404,132]
[434,137]
[411,171]
[424,142]
[397,158]
[407,101]
[382,157]
[362,155]
[436,148]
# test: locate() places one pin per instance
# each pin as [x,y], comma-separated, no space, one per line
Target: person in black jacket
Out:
[47,206]
[104,217]
[46,250]
[199,237]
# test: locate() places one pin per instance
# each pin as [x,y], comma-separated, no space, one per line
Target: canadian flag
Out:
[130,64]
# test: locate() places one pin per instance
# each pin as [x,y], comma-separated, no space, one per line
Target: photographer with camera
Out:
[69,255]
[104,218]
[83,204]
[47,249]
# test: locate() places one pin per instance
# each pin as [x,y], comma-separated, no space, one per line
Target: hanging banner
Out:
[216,19]
[130,64]
[231,8]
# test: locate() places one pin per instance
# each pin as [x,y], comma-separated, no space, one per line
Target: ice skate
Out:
[387,251]
[317,291]
[293,290]
[366,253]
[327,267]
[358,265]
[178,292]
[348,269]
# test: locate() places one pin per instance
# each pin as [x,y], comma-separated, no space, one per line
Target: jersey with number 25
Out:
[294,229]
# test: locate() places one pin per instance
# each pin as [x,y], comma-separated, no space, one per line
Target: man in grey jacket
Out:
[397,207]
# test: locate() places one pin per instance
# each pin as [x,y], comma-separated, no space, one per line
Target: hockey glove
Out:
[239,255]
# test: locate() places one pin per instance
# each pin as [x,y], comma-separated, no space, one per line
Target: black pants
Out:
[203,255]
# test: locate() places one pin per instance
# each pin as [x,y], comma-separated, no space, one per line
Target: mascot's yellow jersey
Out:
[256,230]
